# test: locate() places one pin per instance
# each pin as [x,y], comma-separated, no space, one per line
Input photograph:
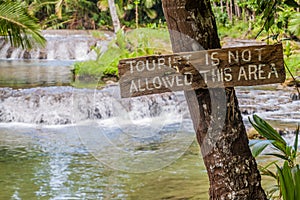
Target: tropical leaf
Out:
[18,26]
[152,14]
[103,5]
[288,181]
[267,131]
[258,147]
[296,178]
[278,156]
[287,176]
[296,143]
[292,3]
[149,3]
[282,187]
[265,171]
[294,24]
[269,173]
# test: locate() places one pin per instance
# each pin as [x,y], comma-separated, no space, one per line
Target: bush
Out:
[135,44]
[287,176]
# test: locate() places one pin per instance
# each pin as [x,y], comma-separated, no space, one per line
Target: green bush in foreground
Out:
[287,172]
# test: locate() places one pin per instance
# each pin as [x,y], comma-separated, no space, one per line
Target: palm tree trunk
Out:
[231,168]
[114,15]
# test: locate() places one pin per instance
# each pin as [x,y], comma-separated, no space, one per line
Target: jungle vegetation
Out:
[268,20]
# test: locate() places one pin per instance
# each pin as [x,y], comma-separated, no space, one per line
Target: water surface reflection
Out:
[51,163]
[33,73]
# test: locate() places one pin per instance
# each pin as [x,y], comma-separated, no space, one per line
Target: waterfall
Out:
[67,105]
[61,45]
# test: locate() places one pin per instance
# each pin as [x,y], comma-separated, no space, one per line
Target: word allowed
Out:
[228,67]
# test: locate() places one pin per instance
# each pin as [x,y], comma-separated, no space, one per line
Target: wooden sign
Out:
[228,67]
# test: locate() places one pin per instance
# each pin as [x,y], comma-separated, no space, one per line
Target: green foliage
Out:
[67,14]
[276,14]
[18,26]
[133,44]
[287,176]
[294,26]
[293,62]
[157,25]
[221,17]
[148,11]
[265,18]
[287,49]
[233,31]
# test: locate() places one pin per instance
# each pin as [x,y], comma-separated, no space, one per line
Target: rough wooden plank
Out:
[228,67]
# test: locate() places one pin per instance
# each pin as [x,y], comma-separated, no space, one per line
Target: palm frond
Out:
[19,27]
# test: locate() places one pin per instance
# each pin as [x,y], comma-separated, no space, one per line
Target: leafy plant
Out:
[287,176]
[107,61]
[294,27]
[276,14]
[133,13]
[18,26]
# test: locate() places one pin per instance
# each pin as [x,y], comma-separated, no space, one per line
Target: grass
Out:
[158,39]
[135,43]
[293,63]
[233,31]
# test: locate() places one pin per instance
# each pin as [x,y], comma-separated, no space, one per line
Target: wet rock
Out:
[42,54]
[9,52]
[66,105]
[295,96]
[27,55]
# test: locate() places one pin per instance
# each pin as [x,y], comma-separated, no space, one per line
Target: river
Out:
[66,143]
[60,142]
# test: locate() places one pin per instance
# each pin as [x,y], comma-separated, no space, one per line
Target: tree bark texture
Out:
[231,168]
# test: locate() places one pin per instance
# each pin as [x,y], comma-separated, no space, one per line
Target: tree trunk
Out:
[231,168]
[231,7]
[114,15]
[229,10]
[237,10]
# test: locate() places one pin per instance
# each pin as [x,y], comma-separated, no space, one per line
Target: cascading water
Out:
[66,105]
[139,134]
[51,65]
[61,45]
[57,105]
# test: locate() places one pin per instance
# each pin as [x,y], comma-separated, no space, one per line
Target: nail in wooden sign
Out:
[228,67]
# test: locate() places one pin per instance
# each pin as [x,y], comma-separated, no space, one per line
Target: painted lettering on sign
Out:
[229,67]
